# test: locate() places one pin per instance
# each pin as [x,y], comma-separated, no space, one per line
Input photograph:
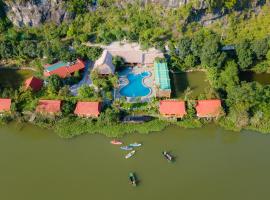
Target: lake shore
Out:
[70,127]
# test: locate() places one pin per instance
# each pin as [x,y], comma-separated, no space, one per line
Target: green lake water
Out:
[196,81]
[249,76]
[14,78]
[211,164]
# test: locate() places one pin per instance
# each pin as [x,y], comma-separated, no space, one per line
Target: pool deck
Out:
[147,81]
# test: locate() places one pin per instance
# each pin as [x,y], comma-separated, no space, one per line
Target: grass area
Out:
[196,81]
[14,77]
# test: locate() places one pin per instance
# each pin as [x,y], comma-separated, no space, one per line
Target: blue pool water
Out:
[135,87]
[56,66]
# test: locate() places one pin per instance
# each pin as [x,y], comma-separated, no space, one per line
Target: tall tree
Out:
[54,84]
[184,47]
[244,54]
[229,76]
[260,48]
[212,56]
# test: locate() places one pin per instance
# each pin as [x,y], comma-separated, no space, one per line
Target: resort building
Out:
[34,83]
[208,108]
[133,54]
[88,109]
[49,107]
[172,108]
[162,80]
[62,69]
[104,65]
[5,105]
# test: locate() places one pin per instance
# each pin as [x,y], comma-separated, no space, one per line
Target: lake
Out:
[249,76]
[210,164]
[18,77]
[196,81]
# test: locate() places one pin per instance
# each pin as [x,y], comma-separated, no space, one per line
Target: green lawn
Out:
[13,77]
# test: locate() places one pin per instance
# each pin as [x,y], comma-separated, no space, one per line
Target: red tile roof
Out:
[49,106]
[34,83]
[76,67]
[62,72]
[208,108]
[5,105]
[172,108]
[65,71]
[88,109]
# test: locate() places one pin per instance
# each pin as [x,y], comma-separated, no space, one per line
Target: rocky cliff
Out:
[177,3]
[35,12]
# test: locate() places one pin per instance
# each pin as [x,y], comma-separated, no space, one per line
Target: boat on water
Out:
[130,154]
[132,179]
[116,142]
[126,148]
[168,156]
[135,144]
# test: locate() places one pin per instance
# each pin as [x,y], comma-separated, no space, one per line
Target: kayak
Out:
[168,156]
[116,142]
[130,154]
[135,144]
[132,179]
[126,148]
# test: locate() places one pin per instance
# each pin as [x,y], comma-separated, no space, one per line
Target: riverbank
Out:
[70,127]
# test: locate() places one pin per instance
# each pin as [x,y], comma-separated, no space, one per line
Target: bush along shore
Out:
[72,126]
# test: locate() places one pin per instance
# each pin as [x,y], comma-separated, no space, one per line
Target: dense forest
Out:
[187,43]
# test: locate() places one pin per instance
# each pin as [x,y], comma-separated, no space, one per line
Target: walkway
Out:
[86,80]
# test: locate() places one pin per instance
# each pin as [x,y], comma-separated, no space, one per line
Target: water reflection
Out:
[249,76]
[195,81]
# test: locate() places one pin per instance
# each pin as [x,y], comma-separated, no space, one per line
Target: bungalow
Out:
[172,108]
[5,105]
[63,69]
[49,106]
[104,65]
[208,108]
[88,109]
[133,54]
[34,83]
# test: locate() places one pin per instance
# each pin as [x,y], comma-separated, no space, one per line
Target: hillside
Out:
[36,12]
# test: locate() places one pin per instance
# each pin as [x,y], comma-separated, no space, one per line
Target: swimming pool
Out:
[56,66]
[135,86]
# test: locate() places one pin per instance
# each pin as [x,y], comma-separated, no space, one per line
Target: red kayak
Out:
[116,142]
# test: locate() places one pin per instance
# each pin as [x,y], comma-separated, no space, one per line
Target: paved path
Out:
[86,80]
